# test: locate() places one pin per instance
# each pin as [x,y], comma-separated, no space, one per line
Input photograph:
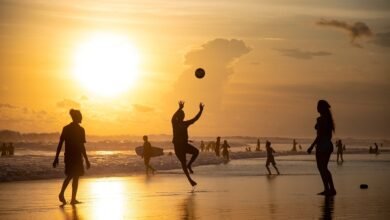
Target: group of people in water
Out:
[7,149]
[73,135]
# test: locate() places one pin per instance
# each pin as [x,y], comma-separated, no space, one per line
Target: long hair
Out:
[323,108]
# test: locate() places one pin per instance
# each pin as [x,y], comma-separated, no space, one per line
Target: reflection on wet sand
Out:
[188,207]
[327,208]
[70,212]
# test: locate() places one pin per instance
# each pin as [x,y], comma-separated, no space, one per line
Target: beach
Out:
[239,189]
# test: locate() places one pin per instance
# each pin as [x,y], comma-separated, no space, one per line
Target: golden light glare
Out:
[106,64]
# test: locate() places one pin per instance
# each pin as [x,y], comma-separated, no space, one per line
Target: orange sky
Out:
[267,63]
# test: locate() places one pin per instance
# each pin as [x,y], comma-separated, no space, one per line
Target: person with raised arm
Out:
[180,139]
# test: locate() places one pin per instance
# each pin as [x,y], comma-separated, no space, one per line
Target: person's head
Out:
[145,138]
[218,138]
[180,115]
[268,144]
[323,107]
[76,115]
[225,141]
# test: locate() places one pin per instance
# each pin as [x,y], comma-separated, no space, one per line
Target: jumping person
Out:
[324,146]
[180,139]
[147,155]
[74,137]
[270,157]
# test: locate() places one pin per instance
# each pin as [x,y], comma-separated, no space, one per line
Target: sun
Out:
[106,64]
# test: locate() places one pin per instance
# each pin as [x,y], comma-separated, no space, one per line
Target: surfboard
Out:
[156,151]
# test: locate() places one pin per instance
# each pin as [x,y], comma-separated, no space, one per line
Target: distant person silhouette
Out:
[376,150]
[74,137]
[324,146]
[270,157]
[11,149]
[217,146]
[258,145]
[339,146]
[294,148]
[3,150]
[225,150]
[202,147]
[147,155]
[180,139]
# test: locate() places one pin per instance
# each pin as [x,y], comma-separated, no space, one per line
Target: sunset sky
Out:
[267,63]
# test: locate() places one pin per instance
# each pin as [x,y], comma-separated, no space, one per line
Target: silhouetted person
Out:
[339,146]
[3,150]
[180,139]
[147,155]
[258,145]
[376,150]
[202,148]
[217,146]
[294,148]
[324,146]
[225,150]
[74,137]
[11,149]
[270,157]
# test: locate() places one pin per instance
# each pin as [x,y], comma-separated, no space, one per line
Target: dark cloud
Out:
[300,54]
[68,104]
[382,39]
[142,108]
[356,31]
[6,105]
[216,57]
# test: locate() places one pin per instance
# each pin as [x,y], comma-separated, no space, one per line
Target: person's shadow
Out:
[327,208]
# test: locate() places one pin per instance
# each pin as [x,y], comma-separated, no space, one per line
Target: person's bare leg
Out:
[75,186]
[61,196]
[185,169]
[269,171]
[277,171]
[193,158]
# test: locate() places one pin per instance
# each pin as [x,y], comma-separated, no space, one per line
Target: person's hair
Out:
[75,114]
[145,137]
[324,109]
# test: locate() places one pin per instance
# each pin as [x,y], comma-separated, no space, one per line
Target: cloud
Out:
[68,104]
[217,58]
[356,31]
[142,108]
[6,105]
[305,55]
[382,39]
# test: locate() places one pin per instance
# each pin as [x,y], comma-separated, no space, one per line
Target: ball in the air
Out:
[199,73]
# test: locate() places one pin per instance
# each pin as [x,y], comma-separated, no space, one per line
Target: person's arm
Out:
[55,162]
[197,116]
[84,152]
[181,106]
[310,149]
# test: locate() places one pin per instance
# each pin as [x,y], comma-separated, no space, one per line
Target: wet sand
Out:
[238,190]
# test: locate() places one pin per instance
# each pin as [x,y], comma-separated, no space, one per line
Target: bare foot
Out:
[193,183]
[62,199]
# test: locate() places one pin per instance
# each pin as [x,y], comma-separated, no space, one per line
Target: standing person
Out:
[147,155]
[180,139]
[3,150]
[74,137]
[324,146]
[270,157]
[201,146]
[339,145]
[11,149]
[217,146]
[294,149]
[258,145]
[225,151]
